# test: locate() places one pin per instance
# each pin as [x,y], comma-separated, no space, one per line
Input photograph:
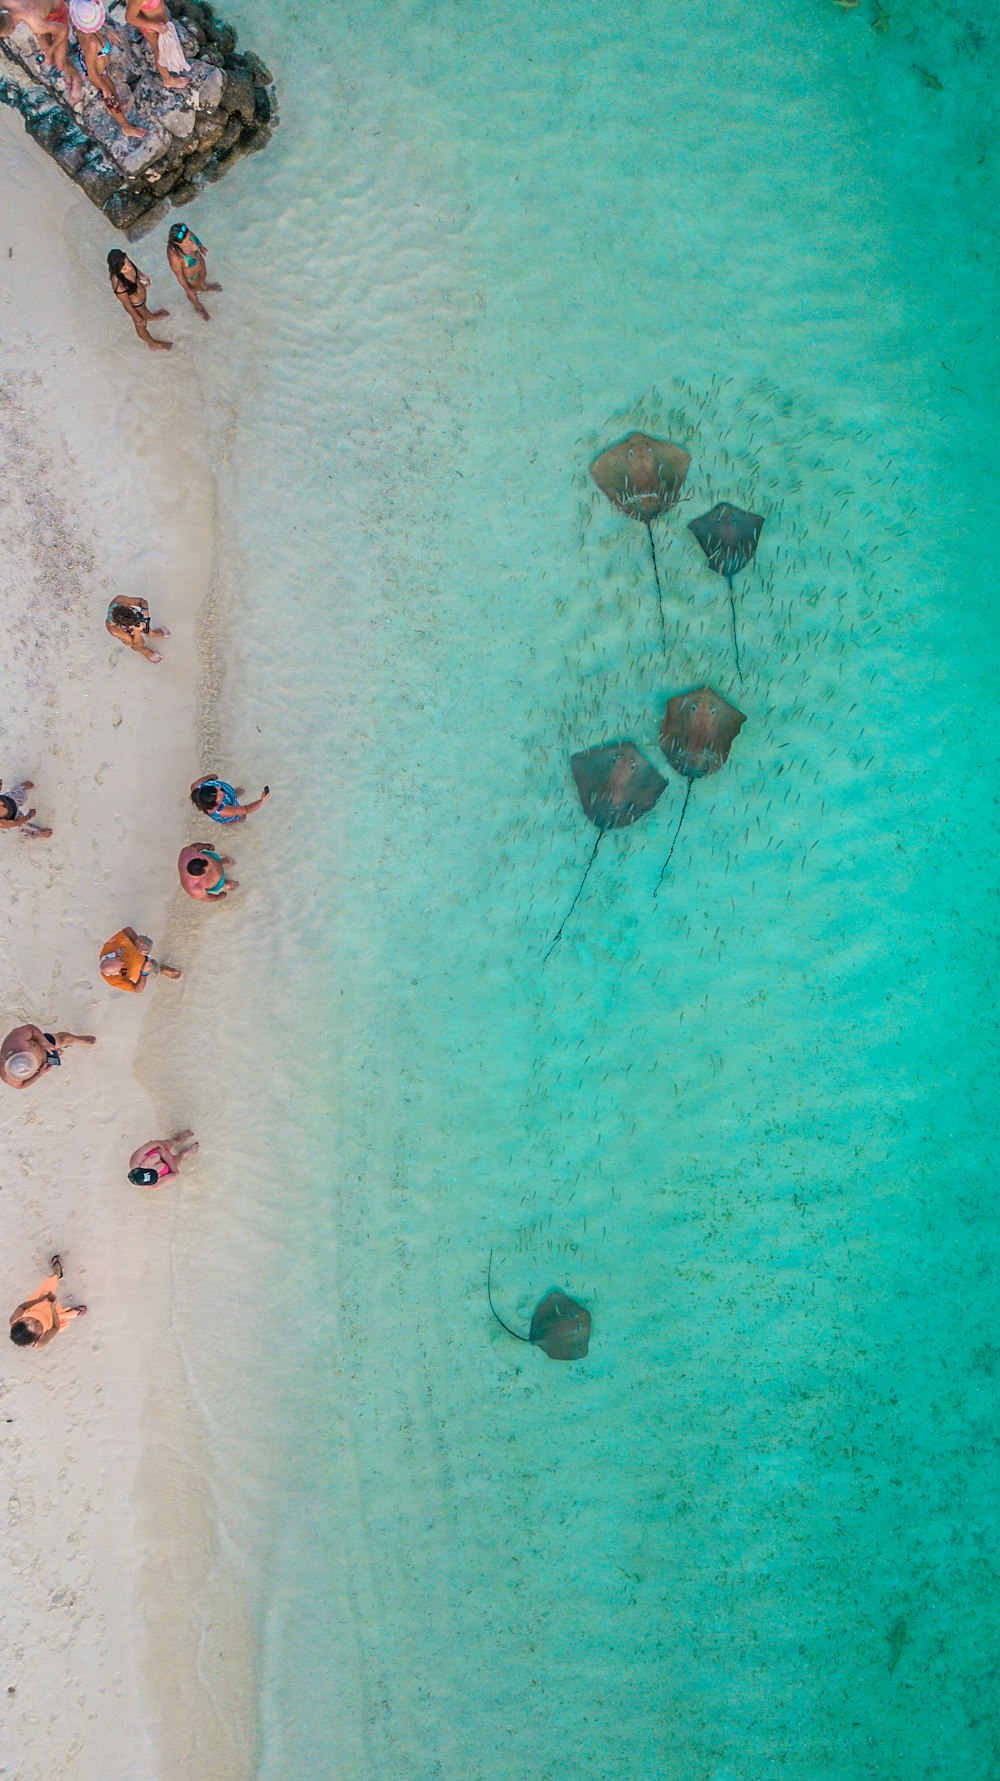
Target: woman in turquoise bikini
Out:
[96,40]
[202,873]
[186,257]
[215,798]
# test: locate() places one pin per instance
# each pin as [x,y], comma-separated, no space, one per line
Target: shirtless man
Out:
[202,873]
[96,38]
[37,1320]
[186,258]
[27,1053]
[48,22]
[153,20]
[160,1158]
[130,287]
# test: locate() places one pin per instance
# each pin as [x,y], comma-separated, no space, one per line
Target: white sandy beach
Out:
[106,488]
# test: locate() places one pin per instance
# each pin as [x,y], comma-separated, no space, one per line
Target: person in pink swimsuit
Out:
[160,1158]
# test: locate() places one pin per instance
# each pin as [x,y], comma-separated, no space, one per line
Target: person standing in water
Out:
[37,1320]
[128,621]
[130,287]
[50,30]
[27,1053]
[10,811]
[126,962]
[160,1158]
[202,873]
[96,39]
[186,257]
[214,797]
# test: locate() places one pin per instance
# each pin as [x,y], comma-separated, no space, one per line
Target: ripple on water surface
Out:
[739,1123]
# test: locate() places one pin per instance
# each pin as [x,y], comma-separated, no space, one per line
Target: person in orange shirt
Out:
[27,1053]
[37,1320]
[126,962]
[128,621]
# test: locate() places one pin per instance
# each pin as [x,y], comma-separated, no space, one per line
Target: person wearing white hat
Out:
[27,1053]
[38,1319]
[96,39]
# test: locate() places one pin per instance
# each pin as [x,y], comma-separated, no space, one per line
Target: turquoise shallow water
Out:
[748,1124]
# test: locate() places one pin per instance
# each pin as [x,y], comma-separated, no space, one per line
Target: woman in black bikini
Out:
[27,1054]
[130,287]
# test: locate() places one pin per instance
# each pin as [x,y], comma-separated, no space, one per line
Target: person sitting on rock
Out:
[130,287]
[128,621]
[160,1158]
[11,816]
[50,29]
[153,20]
[96,38]
[186,258]
[126,962]
[37,1320]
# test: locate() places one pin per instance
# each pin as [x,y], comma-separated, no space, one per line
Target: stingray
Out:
[617,785]
[559,1326]
[728,536]
[643,477]
[697,732]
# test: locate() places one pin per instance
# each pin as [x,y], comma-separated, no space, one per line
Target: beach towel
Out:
[172,56]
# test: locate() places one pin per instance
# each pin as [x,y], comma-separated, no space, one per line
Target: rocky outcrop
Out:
[228,110]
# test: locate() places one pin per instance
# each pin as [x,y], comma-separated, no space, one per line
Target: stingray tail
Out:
[557,936]
[673,843]
[732,614]
[659,590]
[489,1295]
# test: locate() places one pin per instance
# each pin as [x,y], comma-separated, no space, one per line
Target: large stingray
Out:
[728,535]
[617,785]
[559,1326]
[697,732]
[644,478]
